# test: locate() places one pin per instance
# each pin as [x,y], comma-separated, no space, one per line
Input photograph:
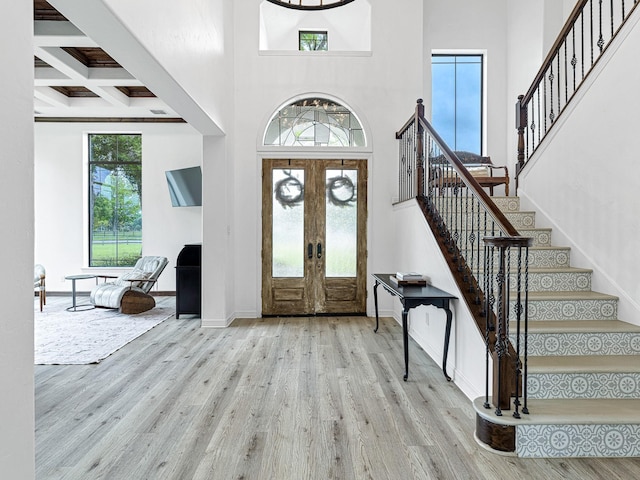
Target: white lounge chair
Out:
[130,291]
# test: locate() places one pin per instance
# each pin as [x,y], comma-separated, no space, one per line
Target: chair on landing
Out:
[481,168]
[130,291]
[39,275]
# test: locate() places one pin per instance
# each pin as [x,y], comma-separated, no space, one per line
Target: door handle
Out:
[310,251]
[319,250]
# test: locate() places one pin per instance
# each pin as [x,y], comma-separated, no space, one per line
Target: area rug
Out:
[89,336]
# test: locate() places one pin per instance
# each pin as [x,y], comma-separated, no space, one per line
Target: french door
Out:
[314,223]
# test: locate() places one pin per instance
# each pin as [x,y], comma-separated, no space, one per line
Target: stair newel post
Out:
[419,148]
[502,376]
[501,345]
[488,314]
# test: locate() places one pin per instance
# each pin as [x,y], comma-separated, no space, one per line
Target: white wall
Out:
[191,43]
[418,251]
[525,53]
[381,88]
[61,197]
[469,25]
[348,28]
[17,451]
[584,180]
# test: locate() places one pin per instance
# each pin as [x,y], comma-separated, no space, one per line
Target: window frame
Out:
[482,54]
[89,203]
[313,32]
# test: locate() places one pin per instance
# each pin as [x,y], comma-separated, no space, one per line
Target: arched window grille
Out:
[310,4]
[315,122]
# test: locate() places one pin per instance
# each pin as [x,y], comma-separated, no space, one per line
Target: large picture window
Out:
[456,82]
[115,200]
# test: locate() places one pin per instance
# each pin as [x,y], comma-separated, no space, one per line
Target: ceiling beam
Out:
[99,22]
[111,95]
[51,97]
[52,34]
[62,61]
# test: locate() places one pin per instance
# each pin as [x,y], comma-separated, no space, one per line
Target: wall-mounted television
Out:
[185,186]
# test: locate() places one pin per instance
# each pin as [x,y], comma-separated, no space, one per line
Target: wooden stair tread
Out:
[568,411]
[581,326]
[584,364]
[571,295]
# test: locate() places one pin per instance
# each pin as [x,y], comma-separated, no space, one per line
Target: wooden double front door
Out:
[314,223]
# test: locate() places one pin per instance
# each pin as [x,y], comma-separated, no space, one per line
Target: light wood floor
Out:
[271,399]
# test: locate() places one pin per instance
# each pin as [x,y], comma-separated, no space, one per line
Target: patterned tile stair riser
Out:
[583,385]
[554,280]
[543,441]
[582,343]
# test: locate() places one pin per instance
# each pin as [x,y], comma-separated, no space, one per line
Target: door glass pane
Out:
[288,223]
[341,223]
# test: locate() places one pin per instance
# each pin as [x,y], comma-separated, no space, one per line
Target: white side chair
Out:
[39,276]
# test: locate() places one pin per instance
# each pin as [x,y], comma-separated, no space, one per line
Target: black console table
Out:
[413,296]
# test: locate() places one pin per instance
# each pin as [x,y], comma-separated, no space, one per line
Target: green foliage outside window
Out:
[115,208]
[313,41]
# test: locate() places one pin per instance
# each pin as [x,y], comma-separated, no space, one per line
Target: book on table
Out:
[409,278]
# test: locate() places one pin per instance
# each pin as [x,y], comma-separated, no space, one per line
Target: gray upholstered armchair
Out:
[130,291]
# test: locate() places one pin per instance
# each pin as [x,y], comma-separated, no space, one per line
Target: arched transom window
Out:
[315,122]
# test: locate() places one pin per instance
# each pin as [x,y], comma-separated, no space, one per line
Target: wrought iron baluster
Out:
[574,60]
[600,38]
[518,312]
[611,15]
[525,409]
[539,117]
[591,20]
[566,94]
[552,115]
[582,41]
[559,94]
[544,97]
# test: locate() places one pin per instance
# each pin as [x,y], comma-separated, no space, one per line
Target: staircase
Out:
[583,366]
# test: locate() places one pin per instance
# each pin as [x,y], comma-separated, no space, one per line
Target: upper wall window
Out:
[115,200]
[309,41]
[348,27]
[315,122]
[456,82]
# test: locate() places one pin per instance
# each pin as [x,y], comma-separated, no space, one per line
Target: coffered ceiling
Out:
[75,79]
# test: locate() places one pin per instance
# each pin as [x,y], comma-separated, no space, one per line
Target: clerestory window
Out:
[312,41]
